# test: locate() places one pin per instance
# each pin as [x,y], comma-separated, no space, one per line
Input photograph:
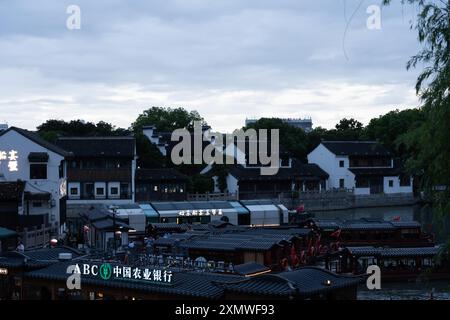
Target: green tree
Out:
[164,119]
[390,130]
[431,138]
[52,129]
[292,139]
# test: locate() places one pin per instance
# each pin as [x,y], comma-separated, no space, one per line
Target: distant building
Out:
[365,166]
[3,127]
[305,123]
[246,180]
[163,184]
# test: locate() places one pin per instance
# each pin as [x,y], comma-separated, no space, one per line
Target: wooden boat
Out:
[396,264]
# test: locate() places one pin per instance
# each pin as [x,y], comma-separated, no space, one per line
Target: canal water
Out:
[439,290]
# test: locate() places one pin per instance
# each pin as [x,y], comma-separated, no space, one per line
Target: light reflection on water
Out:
[407,291]
[400,291]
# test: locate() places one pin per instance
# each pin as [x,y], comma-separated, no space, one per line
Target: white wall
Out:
[329,162]
[15,141]
[396,188]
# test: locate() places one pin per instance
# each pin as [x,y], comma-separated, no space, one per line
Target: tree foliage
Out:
[433,83]
[164,119]
[52,129]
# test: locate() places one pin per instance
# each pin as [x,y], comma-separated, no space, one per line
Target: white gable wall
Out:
[329,162]
[12,140]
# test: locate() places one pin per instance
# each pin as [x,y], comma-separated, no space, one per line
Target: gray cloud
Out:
[227,59]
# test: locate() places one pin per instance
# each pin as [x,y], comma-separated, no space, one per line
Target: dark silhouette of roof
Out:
[11,191]
[306,281]
[298,169]
[33,136]
[102,147]
[361,224]
[394,252]
[183,284]
[376,171]
[356,148]
[37,258]
[160,174]
[250,268]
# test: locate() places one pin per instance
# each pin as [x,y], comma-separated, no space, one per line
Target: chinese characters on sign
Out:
[201,212]
[123,272]
[12,157]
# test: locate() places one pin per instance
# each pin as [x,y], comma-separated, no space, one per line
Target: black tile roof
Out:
[36,258]
[363,224]
[394,252]
[115,147]
[161,174]
[356,148]
[242,238]
[102,219]
[38,140]
[250,268]
[38,196]
[306,281]
[184,284]
[376,171]
[297,170]
[11,191]
[38,157]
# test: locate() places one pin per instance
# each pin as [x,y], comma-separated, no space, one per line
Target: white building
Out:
[365,166]
[24,156]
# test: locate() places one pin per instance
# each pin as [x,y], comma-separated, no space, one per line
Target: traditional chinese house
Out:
[163,184]
[14,264]
[307,283]
[267,246]
[103,229]
[40,168]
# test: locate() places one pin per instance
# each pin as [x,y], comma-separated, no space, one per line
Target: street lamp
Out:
[114,210]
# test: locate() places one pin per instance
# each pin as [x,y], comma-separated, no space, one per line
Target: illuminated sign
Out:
[12,157]
[3,271]
[201,212]
[106,272]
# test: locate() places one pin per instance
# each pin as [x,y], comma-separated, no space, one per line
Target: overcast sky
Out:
[228,59]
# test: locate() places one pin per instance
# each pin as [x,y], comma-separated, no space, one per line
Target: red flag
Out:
[336,234]
[396,219]
[318,243]
[302,257]
[300,208]
[294,258]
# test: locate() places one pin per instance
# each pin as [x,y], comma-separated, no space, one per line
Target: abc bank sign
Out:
[107,272]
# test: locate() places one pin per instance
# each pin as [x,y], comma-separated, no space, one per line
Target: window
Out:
[341,183]
[38,171]
[125,192]
[405,181]
[114,191]
[74,191]
[341,163]
[362,182]
[100,191]
[37,204]
[391,183]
